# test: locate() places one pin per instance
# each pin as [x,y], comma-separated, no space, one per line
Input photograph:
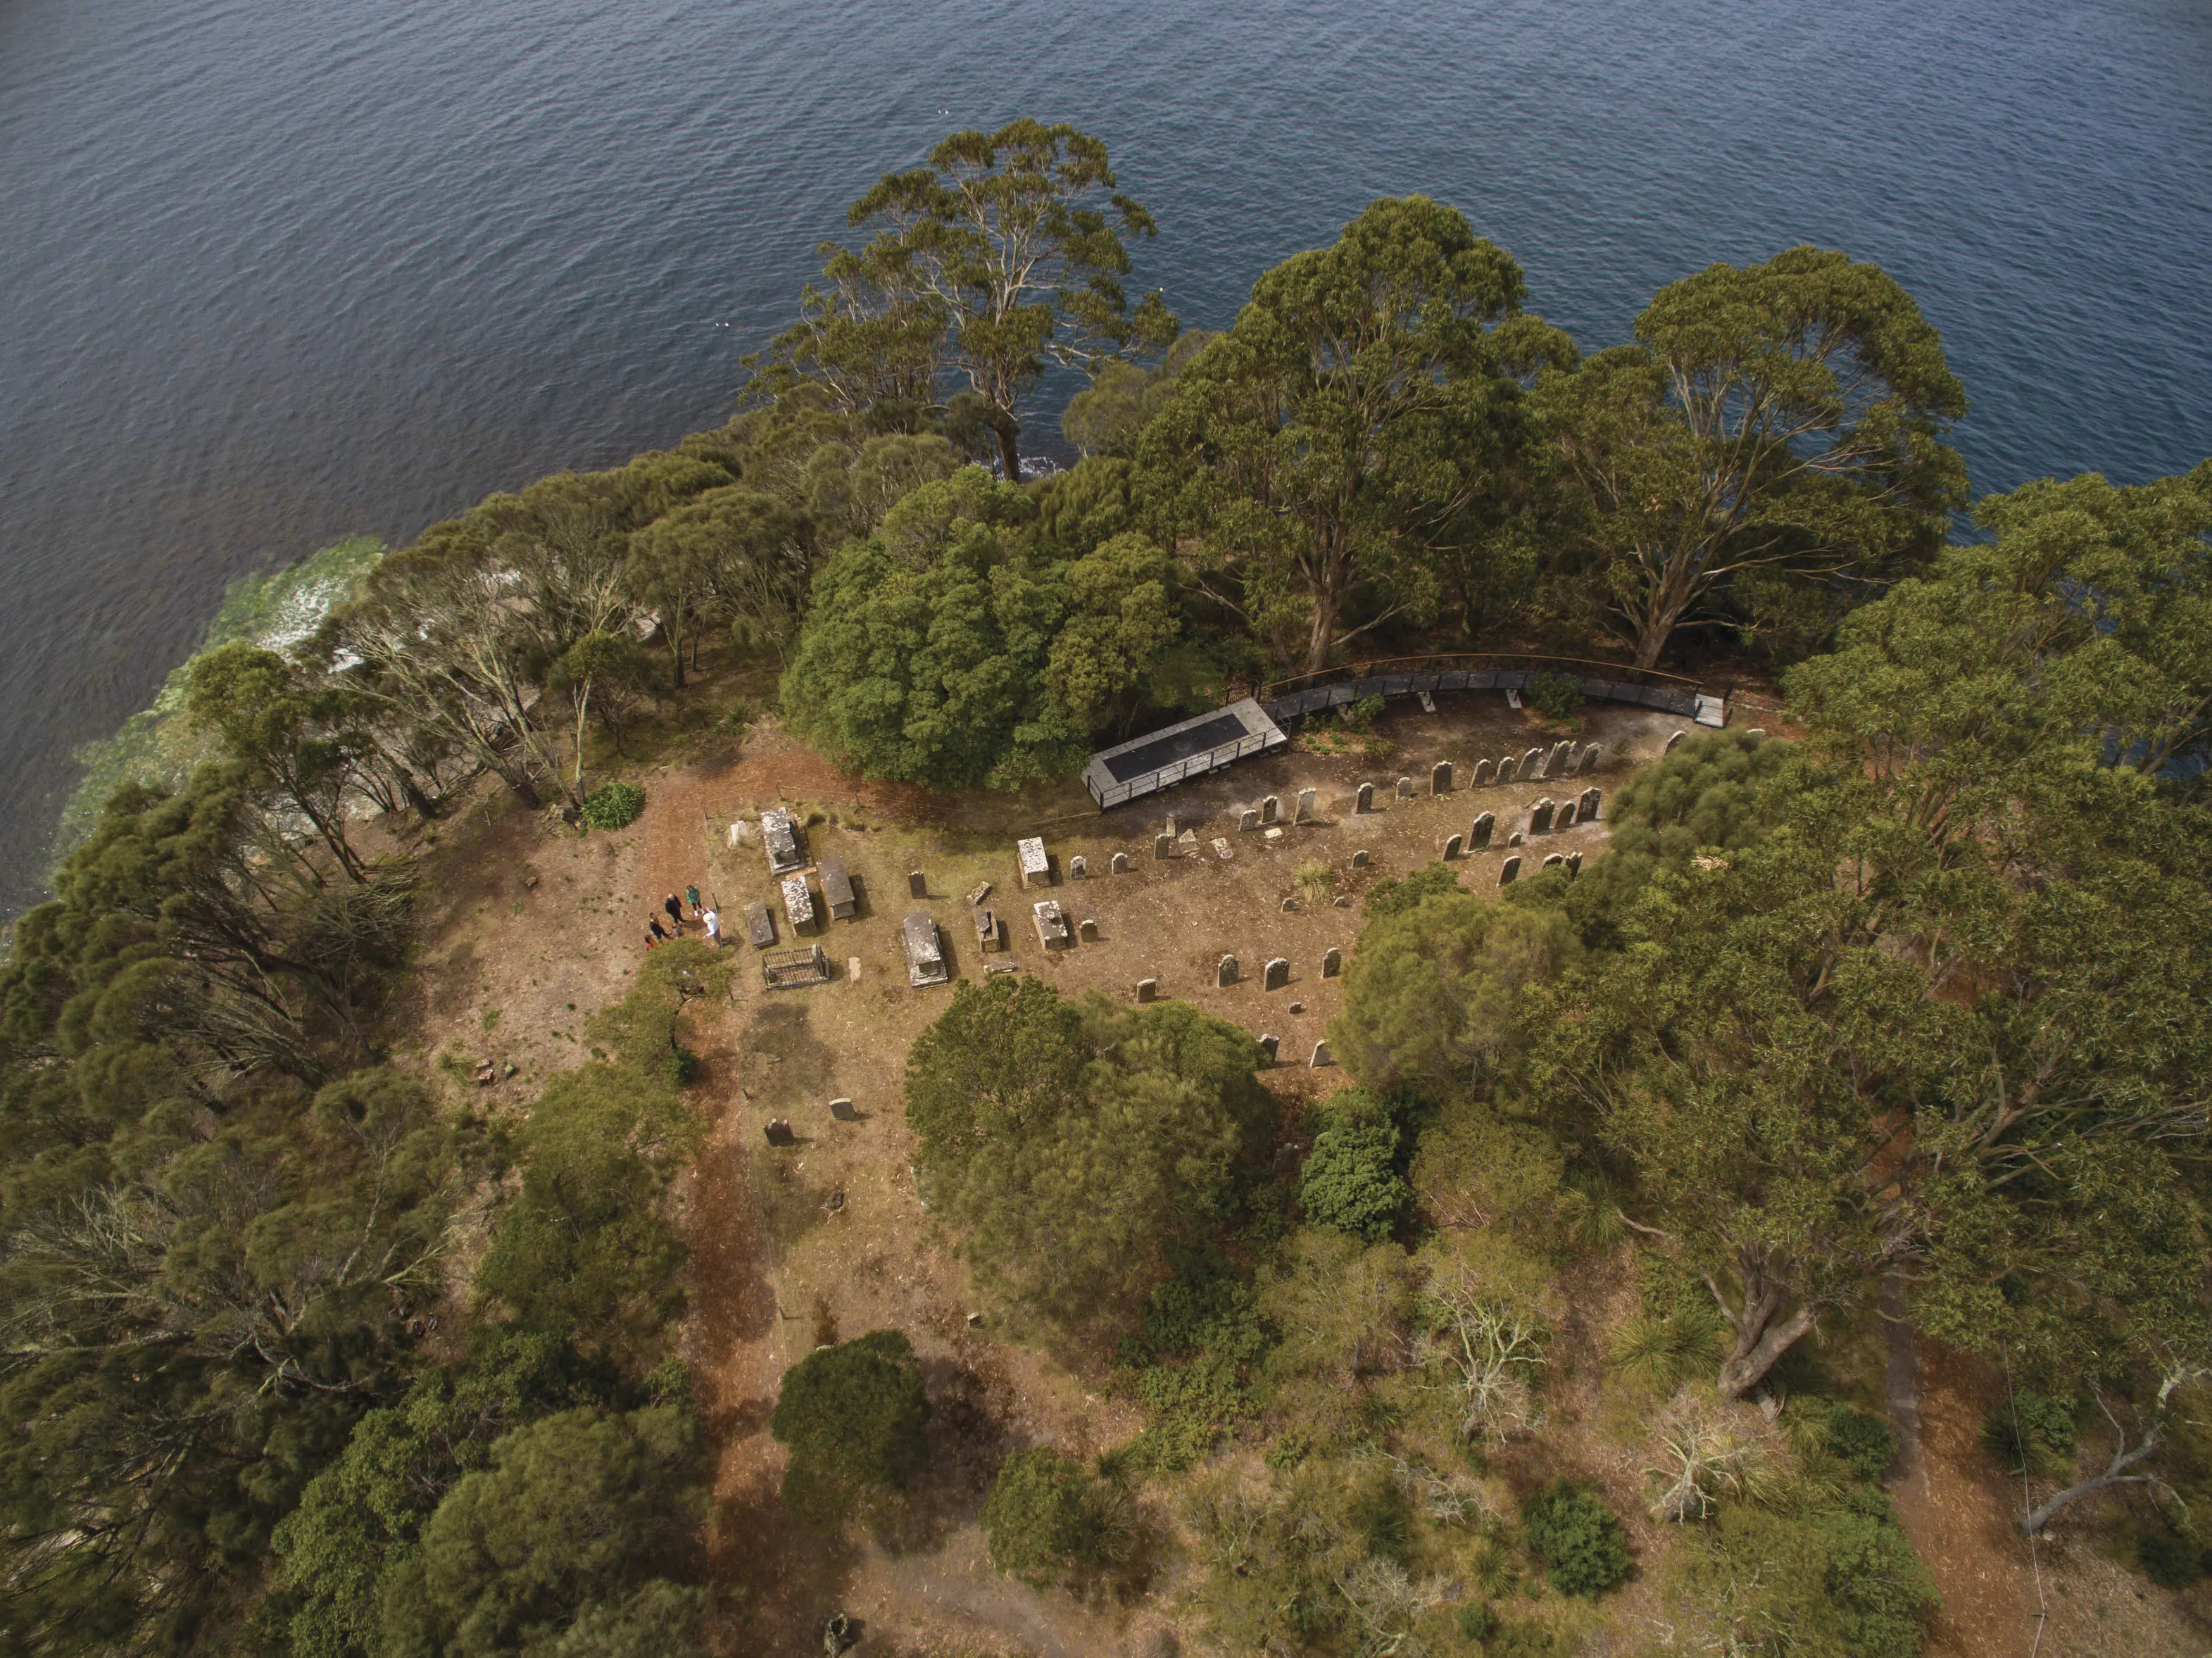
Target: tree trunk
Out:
[2116,1473]
[1662,611]
[424,806]
[1762,1335]
[1010,455]
[675,650]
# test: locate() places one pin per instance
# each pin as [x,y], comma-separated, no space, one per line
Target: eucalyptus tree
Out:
[1003,257]
[1314,454]
[1770,424]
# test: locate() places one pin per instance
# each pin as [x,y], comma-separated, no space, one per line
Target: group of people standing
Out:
[704,915]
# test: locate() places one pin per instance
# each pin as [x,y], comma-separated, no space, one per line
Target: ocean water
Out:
[274,274]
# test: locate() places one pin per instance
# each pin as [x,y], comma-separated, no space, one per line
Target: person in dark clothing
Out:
[656,929]
[674,906]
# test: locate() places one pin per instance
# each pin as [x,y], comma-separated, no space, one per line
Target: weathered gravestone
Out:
[1589,758]
[1405,788]
[1440,778]
[1359,859]
[1586,807]
[1226,975]
[1250,820]
[1276,976]
[1120,866]
[1164,846]
[1268,1045]
[1557,860]
[1757,734]
[1513,838]
[1672,740]
[1574,863]
[842,1109]
[1147,988]
[1078,870]
[1035,865]
[1271,809]
[1565,819]
[917,884]
[1365,800]
[1510,871]
[1319,1057]
[1332,963]
[1484,771]
[1540,817]
[1305,807]
[1532,765]
[1478,837]
[1507,768]
[1451,847]
[778,1132]
[1556,762]
[1087,930]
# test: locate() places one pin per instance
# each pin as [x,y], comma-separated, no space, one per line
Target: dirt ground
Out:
[530,927]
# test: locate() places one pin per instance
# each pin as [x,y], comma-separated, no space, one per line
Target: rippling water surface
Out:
[273,273]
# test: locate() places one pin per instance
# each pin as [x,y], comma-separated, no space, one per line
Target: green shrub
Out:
[1557,696]
[2170,1562]
[1394,896]
[1861,1442]
[1581,1543]
[854,1416]
[1042,1517]
[2030,1429]
[613,806]
[1477,1622]
[1350,1180]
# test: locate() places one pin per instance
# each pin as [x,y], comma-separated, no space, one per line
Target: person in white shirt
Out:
[714,923]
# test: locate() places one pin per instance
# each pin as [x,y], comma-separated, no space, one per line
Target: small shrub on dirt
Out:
[2170,1562]
[1556,695]
[613,806]
[1351,1179]
[1044,1516]
[2030,1429]
[1581,1544]
[1477,1622]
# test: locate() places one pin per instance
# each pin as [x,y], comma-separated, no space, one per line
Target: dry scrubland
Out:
[529,927]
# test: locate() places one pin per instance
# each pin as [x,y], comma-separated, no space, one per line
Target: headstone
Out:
[1405,788]
[1365,800]
[1510,871]
[842,1110]
[1589,758]
[1224,974]
[1451,847]
[1271,808]
[1532,765]
[1319,1057]
[1147,988]
[1756,734]
[1289,904]
[1276,976]
[1221,849]
[1478,837]
[1305,807]
[917,884]
[1164,846]
[1077,869]
[1120,866]
[1172,826]
[1440,778]
[1540,817]
[1036,866]
[1087,930]
[1574,863]
[778,1132]
[1187,841]
[1672,740]
[1359,860]
[1250,819]
[1513,838]
[1271,833]
[1268,1046]
[1565,819]
[1484,771]
[1556,762]
[1557,860]
[1507,768]
[1332,963]
[1586,808]
[977,894]
[987,929]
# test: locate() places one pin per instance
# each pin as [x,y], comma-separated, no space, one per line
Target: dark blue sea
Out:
[274,273]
